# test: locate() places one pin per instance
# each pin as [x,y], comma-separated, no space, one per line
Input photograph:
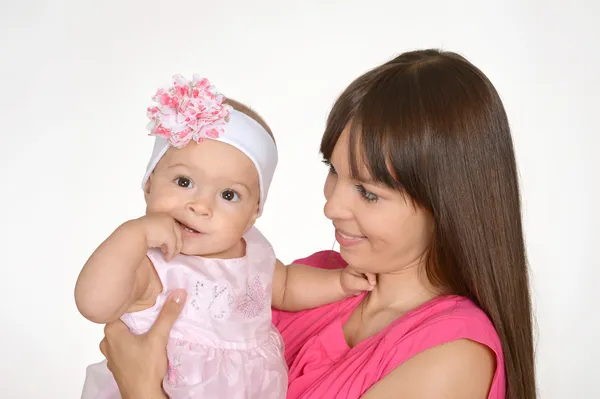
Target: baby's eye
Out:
[184,182]
[230,195]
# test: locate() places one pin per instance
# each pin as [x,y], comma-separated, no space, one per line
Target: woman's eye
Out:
[183,182]
[330,166]
[366,194]
[230,195]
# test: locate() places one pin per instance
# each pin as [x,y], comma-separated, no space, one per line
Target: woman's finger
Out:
[168,315]
[104,350]
[114,328]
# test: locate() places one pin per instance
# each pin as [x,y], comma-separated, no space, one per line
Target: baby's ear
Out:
[147,188]
[253,217]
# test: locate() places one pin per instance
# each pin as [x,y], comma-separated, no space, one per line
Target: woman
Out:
[422,191]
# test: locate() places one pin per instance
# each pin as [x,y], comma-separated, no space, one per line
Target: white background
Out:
[77,76]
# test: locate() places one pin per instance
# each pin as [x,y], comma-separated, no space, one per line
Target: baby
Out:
[205,185]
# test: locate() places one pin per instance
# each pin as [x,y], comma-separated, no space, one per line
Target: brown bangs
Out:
[384,112]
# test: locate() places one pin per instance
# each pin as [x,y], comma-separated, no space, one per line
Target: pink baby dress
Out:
[224,344]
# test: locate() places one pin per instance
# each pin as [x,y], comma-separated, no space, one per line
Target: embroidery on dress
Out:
[199,290]
[180,343]
[218,299]
[255,300]
[222,303]
[174,374]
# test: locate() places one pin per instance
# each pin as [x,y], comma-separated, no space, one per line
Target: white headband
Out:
[195,111]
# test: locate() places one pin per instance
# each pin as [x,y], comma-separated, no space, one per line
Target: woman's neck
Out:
[403,290]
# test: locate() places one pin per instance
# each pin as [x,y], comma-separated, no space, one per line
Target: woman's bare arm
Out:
[461,369]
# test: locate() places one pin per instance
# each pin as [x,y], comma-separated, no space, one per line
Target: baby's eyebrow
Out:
[243,185]
[177,165]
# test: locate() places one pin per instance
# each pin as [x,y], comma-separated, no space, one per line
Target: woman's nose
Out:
[338,200]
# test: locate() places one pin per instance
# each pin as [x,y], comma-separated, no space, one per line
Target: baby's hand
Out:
[355,283]
[161,231]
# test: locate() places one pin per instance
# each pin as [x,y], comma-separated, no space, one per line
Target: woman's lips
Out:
[347,240]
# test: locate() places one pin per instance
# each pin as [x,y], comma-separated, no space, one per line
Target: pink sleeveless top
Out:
[321,365]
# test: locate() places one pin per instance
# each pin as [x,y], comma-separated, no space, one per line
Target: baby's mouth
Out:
[188,228]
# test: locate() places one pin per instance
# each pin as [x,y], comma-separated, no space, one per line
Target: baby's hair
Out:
[244,109]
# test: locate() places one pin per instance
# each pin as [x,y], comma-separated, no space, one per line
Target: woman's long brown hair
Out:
[430,124]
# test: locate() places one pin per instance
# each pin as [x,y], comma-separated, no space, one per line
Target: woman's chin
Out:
[353,256]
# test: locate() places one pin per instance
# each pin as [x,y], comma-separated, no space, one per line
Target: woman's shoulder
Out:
[445,320]
[454,310]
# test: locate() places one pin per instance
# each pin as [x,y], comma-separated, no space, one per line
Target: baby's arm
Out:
[119,277]
[299,287]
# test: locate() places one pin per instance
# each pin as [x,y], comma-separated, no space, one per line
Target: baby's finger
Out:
[365,285]
[178,238]
[358,285]
[371,278]
[171,243]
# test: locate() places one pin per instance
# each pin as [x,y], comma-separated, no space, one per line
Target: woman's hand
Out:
[139,362]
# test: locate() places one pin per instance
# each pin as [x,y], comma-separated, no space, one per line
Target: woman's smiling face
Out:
[379,229]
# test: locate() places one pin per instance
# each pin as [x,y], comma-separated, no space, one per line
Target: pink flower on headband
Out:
[188,111]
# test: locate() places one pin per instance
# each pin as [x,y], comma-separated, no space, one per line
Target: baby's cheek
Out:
[232,232]
[159,203]
[226,234]
[232,223]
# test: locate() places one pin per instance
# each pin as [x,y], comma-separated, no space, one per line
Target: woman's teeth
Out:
[347,237]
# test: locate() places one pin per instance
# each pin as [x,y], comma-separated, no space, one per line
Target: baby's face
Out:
[212,190]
